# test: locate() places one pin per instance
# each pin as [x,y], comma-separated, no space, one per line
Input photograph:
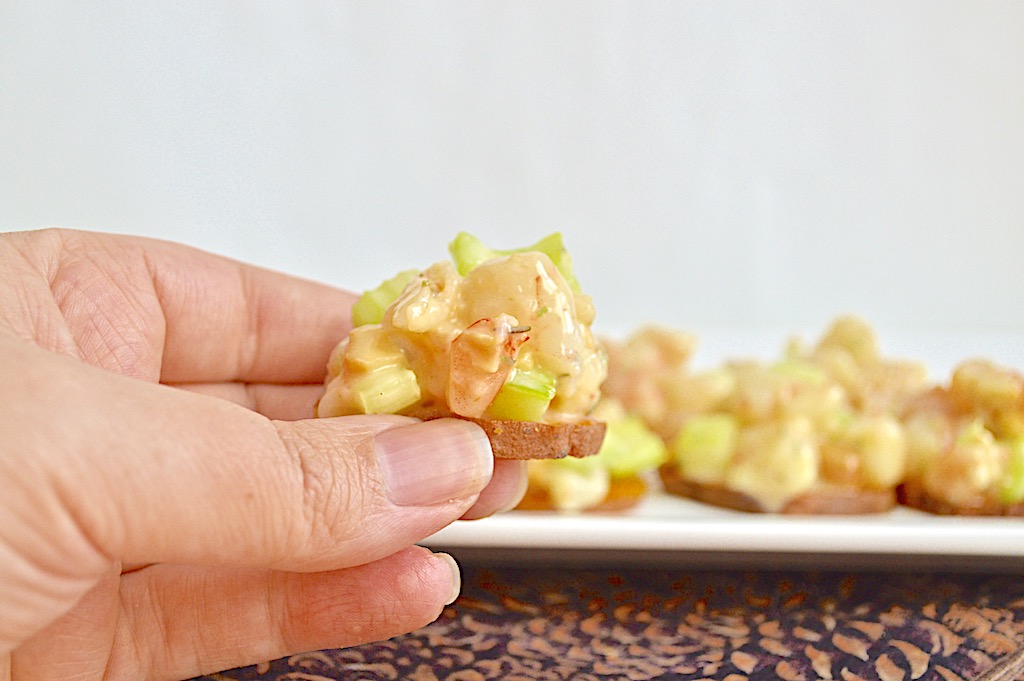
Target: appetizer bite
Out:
[815,432]
[502,338]
[616,479]
[966,444]
[649,373]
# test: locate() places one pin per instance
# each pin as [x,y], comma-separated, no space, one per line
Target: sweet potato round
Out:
[530,439]
[825,500]
[913,495]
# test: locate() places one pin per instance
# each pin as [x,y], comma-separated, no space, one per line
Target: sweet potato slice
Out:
[530,439]
[823,500]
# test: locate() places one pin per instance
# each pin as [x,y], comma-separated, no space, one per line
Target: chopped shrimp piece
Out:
[481,358]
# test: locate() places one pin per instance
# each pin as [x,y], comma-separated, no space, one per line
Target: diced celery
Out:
[525,396]
[386,390]
[800,370]
[370,307]
[584,464]
[630,448]
[468,251]
[974,432]
[553,247]
[704,446]
[1011,487]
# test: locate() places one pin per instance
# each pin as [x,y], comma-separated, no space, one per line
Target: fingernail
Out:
[433,461]
[456,577]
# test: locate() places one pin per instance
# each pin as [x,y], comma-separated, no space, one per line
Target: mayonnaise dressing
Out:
[523,295]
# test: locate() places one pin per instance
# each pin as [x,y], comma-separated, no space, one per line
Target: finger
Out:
[225,320]
[505,490]
[83,636]
[226,619]
[282,402]
[150,474]
[180,622]
[292,403]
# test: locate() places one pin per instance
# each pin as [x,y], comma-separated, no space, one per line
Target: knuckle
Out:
[332,498]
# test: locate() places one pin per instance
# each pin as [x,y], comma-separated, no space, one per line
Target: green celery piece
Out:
[1011,487]
[525,396]
[704,445]
[468,251]
[801,370]
[370,307]
[386,390]
[581,465]
[630,448]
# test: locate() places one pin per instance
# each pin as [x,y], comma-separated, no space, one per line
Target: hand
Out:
[164,509]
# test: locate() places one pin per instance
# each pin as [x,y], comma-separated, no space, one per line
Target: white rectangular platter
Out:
[675,531]
[668,530]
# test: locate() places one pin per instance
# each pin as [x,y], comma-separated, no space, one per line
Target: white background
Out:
[726,165]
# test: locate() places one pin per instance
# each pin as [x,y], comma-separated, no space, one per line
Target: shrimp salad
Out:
[489,334]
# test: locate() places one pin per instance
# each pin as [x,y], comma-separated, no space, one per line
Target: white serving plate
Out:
[676,531]
[665,530]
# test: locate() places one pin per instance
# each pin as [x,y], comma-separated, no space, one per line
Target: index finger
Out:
[228,321]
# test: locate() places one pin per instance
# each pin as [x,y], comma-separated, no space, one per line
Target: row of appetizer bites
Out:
[837,427]
[504,338]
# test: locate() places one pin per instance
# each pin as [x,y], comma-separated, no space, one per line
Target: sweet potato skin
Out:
[532,440]
[913,495]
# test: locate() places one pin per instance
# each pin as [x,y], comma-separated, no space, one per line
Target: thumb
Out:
[147,473]
[377,484]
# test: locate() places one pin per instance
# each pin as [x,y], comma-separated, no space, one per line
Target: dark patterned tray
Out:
[518,623]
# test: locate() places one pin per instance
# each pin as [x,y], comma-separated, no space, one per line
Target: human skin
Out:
[167,506]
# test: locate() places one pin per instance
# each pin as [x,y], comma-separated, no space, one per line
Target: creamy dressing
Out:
[515,311]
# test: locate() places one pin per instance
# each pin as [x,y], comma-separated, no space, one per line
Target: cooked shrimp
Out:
[481,358]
